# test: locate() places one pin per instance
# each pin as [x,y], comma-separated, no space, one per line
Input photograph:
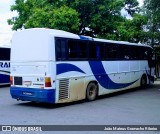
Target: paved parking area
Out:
[133,107]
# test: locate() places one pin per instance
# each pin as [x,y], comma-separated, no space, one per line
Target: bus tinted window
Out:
[72,49]
[124,52]
[95,50]
[106,52]
[145,53]
[58,48]
[77,49]
[135,53]
[61,49]
[111,51]
[4,53]
[82,49]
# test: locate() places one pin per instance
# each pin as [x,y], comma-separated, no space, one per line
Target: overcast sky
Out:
[5,29]
[5,13]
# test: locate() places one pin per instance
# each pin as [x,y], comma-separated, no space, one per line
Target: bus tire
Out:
[91,91]
[143,81]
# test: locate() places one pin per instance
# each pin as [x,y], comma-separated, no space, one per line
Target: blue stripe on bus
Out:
[33,94]
[4,71]
[85,38]
[4,78]
[65,67]
[98,70]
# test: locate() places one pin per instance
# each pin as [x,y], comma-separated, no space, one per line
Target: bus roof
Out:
[120,42]
[54,32]
[5,46]
[64,34]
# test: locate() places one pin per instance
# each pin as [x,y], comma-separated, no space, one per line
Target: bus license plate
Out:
[27,83]
[27,93]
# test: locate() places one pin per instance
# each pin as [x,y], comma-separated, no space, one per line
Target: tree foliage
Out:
[61,18]
[39,13]
[96,18]
[132,30]
[152,11]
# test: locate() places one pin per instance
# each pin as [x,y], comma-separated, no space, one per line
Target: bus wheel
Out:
[91,92]
[143,81]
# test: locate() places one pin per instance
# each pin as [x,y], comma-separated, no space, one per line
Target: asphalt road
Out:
[133,107]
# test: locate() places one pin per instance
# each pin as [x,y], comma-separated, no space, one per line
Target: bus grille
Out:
[63,89]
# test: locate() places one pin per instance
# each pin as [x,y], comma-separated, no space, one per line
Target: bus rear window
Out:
[5,54]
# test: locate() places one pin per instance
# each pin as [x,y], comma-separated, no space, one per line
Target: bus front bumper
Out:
[32,94]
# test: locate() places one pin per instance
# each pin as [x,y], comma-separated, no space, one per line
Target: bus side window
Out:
[122,52]
[99,50]
[144,53]
[110,51]
[134,53]
[60,49]
[92,50]
[82,49]
[64,55]
[98,53]
[72,49]
[150,53]
[127,52]
[77,49]
[113,51]
[96,50]
[106,51]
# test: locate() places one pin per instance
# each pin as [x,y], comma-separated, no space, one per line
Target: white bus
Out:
[55,66]
[4,65]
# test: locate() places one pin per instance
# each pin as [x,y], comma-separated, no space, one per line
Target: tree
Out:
[132,29]
[132,6]
[64,18]
[152,11]
[96,18]
[39,13]
[101,18]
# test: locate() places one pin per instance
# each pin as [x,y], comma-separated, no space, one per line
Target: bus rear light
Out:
[47,82]
[11,80]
